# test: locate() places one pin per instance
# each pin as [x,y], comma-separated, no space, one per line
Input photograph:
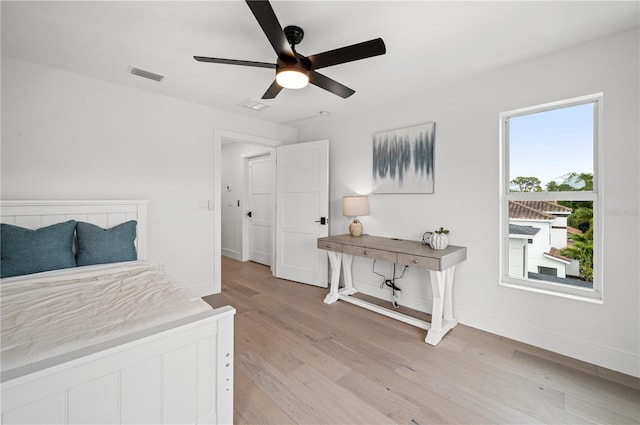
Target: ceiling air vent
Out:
[146,74]
[252,104]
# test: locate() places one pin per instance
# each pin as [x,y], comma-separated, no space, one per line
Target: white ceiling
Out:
[428,43]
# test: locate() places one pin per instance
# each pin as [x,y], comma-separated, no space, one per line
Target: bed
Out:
[115,342]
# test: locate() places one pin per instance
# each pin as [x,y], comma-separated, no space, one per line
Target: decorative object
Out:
[101,246]
[403,160]
[426,238]
[26,251]
[354,206]
[439,239]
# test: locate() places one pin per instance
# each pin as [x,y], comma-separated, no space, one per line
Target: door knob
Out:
[249,214]
[322,221]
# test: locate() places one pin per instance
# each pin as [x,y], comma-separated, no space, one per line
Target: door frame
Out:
[220,135]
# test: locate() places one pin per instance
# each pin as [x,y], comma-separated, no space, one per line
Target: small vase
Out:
[439,241]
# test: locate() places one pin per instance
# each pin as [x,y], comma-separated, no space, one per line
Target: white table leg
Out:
[442,310]
[448,293]
[437,286]
[347,261]
[335,259]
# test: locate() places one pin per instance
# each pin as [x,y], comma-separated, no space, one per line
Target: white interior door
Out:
[260,181]
[302,199]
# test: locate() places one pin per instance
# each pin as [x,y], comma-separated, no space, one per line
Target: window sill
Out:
[577,294]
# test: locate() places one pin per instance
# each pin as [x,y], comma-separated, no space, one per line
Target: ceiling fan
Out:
[294,70]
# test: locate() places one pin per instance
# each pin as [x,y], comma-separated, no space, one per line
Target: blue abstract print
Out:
[403,160]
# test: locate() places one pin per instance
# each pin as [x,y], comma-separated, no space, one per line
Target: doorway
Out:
[246,207]
[232,203]
[296,226]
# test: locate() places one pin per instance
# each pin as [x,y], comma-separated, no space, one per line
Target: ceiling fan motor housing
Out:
[294,35]
[300,64]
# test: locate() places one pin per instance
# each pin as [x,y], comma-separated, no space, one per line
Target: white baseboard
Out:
[231,254]
[607,357]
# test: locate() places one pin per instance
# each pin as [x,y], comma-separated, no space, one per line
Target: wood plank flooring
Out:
[300,361]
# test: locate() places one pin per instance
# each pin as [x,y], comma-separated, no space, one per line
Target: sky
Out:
[551,144]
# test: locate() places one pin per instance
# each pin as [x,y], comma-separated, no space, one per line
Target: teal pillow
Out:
[99,246]
[26,251]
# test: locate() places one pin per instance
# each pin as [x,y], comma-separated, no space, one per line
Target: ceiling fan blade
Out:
[269,23]
[355,52]
[328,84]
[235,62]
[272,91]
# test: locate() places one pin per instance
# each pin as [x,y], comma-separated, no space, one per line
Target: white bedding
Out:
[49,314]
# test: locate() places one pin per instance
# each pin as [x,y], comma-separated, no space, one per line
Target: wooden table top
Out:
[451,255]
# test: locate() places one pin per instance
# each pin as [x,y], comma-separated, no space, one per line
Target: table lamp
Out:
[354,206]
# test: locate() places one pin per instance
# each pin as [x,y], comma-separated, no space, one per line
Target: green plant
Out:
[442,231]
[581,250]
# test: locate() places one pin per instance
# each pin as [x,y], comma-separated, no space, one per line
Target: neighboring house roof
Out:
[573,231]
[519,210]
[545,207]
[554,254]
[536,210]
[564,280]
[516,229]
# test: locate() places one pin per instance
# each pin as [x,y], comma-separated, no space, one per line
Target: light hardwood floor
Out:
[300,361]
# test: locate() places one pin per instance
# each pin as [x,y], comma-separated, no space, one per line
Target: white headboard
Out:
[36,214]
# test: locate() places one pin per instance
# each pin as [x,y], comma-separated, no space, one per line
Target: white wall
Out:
[232,172]
[66,136]
[559,232]
[466,198]
[518,255]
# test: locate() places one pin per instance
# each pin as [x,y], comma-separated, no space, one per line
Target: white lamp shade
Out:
[354,206]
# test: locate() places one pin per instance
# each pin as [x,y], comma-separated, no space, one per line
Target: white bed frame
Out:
[179,373]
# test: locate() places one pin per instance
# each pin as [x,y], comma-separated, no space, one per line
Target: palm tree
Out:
[581,218]
[582,250]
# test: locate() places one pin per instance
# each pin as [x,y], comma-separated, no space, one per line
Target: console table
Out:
[440,263]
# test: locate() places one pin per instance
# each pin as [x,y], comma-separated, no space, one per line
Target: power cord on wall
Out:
[391,283]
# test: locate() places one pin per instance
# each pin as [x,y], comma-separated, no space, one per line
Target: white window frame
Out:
[595,294]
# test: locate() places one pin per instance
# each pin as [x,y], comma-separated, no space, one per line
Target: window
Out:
[550,271]
[550,202]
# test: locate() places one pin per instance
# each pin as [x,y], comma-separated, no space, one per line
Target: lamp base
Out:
[355,228]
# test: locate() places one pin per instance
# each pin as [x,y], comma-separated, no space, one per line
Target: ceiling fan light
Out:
[292,78]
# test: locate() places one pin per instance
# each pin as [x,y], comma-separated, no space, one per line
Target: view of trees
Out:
[526,184]
[582,250]
[581,216]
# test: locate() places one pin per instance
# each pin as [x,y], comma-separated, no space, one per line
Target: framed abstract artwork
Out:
[403,159]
